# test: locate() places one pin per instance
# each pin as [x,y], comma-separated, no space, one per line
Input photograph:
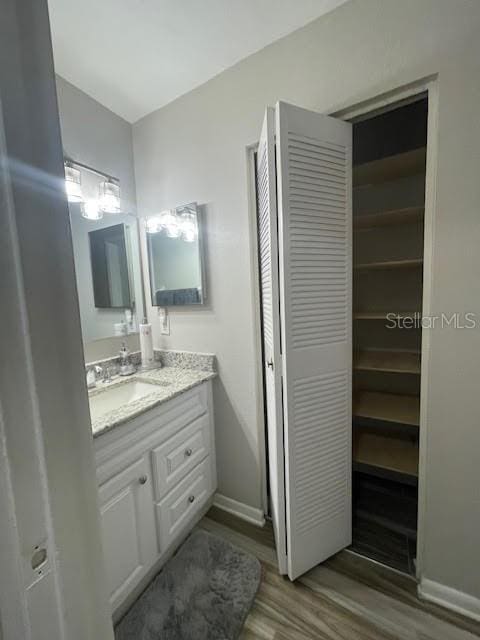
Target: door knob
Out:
[270,364]
[142,479]
[188,452]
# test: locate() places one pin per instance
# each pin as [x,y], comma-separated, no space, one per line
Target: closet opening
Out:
[389,159]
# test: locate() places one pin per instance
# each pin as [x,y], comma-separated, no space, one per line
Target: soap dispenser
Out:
[91,379]
[126,367]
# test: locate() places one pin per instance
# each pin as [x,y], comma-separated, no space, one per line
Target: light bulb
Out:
[190,235]
[73,184]
[109,197]
[153,224]
[188,226]
[171,224]
[91,210]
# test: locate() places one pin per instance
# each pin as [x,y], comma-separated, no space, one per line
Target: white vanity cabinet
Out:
[156,477]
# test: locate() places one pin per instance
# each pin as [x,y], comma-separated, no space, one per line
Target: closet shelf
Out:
[385,456]
[387,407]
[394,167]
[387,361]
[388,218]
[384,315]
[390,264]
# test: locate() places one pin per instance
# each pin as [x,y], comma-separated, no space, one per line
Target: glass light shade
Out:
[189,236]
[171,224]
[109,197]
[188,227]
[91,210]
[153,224]
[73,184]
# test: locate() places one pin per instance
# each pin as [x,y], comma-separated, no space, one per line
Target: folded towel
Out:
[173,297]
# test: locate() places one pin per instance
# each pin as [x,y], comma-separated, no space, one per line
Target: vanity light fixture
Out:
[73,183]
[108,200]
[165,221]
[109,196]
[91,210]
[177,223]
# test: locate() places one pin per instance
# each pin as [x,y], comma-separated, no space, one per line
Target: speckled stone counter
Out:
[167,382]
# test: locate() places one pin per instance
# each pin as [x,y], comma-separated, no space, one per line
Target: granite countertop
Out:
[167,383]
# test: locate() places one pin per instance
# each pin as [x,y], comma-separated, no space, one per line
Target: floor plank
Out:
[345,598]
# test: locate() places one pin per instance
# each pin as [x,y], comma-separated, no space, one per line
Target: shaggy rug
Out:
[203,593]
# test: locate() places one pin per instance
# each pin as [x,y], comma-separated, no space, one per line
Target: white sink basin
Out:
[115,397]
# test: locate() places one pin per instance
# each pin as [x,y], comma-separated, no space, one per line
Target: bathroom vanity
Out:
[155,459]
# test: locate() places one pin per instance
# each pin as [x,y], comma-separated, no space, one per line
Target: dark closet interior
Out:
[389,153]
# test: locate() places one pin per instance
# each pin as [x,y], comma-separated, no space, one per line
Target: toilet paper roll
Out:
[146,346]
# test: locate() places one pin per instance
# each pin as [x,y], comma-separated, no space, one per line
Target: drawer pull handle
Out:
[143,479]
[191,498]
[188,452]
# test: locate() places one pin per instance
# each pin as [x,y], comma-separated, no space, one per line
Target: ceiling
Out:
[135,56]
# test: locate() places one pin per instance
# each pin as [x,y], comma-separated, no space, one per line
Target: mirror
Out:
[110,271]
[175,257]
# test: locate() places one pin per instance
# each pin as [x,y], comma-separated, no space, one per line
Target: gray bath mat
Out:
[203,593]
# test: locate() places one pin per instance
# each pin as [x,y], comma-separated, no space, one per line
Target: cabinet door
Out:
[128,528]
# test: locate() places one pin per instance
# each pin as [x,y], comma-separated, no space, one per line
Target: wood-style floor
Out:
[345,598]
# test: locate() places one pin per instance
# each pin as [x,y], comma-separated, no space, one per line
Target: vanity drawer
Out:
[176,457]
[181,504]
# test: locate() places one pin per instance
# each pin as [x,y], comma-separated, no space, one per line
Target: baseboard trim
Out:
[449,598]
[239,509]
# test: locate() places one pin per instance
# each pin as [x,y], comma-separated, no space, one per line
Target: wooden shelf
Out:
[385,456]
[387,407]
[383,315]
[388,218]
[387,361]
[394,167]
[390,264]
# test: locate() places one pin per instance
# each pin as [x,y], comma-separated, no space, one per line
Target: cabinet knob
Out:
[191,498]
[188,452]
[270,364]
[142,479]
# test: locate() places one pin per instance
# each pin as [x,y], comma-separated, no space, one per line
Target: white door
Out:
[314,187]
[51,576]
[268,249]
[128,528]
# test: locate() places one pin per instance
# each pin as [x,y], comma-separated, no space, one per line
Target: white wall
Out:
[195,149]
[94,135]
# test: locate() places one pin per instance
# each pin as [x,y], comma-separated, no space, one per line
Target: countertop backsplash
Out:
[181,359]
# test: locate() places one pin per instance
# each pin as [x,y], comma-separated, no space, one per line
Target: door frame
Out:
[369,106]
[251,151]
[51,555]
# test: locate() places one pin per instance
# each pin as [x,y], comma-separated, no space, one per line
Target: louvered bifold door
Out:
[268,249]
[315,256]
